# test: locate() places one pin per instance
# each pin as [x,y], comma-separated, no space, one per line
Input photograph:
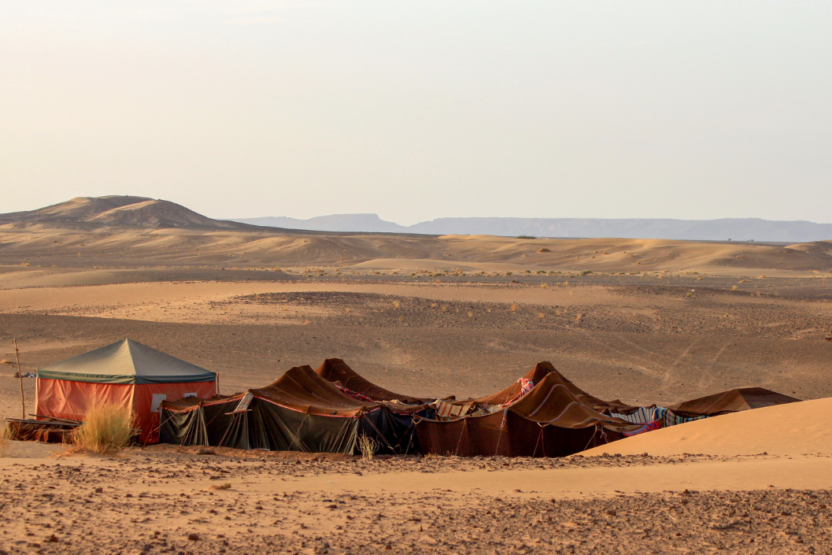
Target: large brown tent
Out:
[733,400]
[300,411]
[555,418]
[339,373]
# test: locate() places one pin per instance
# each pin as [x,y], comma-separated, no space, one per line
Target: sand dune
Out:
[793,429]
[109,232]
[44,245]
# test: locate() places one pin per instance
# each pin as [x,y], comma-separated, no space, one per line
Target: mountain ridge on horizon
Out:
[149,213]
[723,229]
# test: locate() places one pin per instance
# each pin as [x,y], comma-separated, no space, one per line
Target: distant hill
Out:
[142,212]
[120,211]
[737,229]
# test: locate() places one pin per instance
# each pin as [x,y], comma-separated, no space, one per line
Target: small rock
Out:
[193,537]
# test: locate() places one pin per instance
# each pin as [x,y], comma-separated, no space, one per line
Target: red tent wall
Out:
[70,399]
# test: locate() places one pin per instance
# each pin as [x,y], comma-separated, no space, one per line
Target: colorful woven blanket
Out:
[649,427]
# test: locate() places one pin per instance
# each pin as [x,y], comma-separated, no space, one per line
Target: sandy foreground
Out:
[167,500]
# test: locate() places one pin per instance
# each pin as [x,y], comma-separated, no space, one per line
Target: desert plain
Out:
[643,321]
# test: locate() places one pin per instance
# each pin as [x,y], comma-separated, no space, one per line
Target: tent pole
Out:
[20,376]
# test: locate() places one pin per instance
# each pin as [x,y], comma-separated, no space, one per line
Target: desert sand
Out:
[795,429]
[168,499]
[644,321]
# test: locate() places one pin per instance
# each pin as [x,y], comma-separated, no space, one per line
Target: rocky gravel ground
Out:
[694,311]
[137,505]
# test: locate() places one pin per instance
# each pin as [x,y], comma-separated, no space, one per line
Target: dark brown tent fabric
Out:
[506,434]
[552,420]
[303,390]
[733,400]
[554,403]
[536,374]
[337,371]
[300,411]
[546,369]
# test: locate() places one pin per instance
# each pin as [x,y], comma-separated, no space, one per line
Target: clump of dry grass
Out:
[368,447]
[107,429]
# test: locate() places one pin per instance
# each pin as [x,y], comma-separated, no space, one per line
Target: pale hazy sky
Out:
[558,108]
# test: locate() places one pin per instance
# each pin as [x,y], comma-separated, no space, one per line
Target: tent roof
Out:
[337,371]
[554,403]
[126,362]
[543,370]
[301,389]
[733,400]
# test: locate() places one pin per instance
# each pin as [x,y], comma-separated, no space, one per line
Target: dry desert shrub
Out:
[368,447]
[107,429]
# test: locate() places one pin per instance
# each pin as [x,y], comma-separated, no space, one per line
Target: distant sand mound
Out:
[122,211]
[792,429]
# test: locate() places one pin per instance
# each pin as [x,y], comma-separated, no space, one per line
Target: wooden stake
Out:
[20,376]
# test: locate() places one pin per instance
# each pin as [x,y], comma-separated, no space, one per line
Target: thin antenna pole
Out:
[20,376]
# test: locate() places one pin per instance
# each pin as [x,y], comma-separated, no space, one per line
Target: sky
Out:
[419,110]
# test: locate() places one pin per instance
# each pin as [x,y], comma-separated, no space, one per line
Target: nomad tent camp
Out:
[300,411]
[125,373]
[542,414]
